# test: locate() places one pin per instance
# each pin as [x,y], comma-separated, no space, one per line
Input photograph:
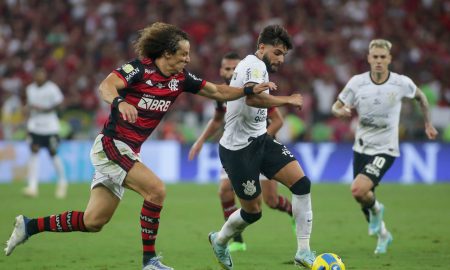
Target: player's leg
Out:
[32,189]
[274,200]
[226,195]
[281,165]
[61,187]
[370,170]
[142,180]
[101,206]
[244,175]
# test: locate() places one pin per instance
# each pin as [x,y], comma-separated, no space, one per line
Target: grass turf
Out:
[417,215]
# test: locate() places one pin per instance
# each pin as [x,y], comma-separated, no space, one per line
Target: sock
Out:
[149,229]
[69,221]
[302,212]
[375,208]
[284,205]
[234,224]
[228,208]
[383,231]
[59,166]
[366,213]
[33,172]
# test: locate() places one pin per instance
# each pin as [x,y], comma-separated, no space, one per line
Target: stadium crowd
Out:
[79,42]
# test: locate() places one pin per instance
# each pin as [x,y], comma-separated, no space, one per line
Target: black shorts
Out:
[51,142]
[263,155]
[373,167]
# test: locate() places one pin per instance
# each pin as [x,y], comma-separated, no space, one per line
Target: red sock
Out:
[149,229]
[228,208]
[69,221]
[284,205]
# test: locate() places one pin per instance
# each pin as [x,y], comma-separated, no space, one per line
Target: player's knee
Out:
[271,200]
[156,193]
[358,193]
[250,217]
[302,186]
[94,223]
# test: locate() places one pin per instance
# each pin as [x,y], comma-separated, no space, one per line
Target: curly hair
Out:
[158,38]
[275,35]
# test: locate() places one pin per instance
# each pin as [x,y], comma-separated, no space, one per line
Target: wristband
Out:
[117,101]
[248,90]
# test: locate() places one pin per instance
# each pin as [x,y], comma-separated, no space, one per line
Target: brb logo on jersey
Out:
[152,104]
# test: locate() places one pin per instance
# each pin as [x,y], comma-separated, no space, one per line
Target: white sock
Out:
[302,212]
[233,225]
[375,208]
[383,231]
[59,166]
[33,172]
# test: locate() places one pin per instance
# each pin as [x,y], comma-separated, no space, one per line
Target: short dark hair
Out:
[158,38]
[231,56]
[275,35]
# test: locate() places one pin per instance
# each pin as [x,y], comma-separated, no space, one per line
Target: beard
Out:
[269,67]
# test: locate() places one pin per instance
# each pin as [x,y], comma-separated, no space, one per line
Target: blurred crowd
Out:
[80,41]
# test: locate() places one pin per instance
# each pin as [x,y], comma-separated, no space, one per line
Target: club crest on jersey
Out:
[173,85]
[149,82]
[249,187]
[154,104]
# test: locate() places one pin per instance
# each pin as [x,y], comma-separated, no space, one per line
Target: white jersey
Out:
[378,107]
[45,96]
[243,122]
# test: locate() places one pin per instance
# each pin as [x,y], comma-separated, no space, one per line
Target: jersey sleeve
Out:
[131,72]
[409,87]
[255,73]
[347,96]
[192,83]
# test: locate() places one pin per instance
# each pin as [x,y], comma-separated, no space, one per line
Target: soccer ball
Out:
[328,261]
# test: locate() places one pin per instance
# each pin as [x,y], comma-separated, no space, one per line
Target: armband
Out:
[248,90]
[117,101]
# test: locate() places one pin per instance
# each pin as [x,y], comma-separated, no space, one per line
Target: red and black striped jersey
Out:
[152,93]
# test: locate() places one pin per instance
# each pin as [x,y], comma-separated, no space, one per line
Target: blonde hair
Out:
[380,43]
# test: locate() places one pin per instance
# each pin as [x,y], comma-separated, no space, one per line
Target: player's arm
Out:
[213,125]
[276,122]
[109,92]
[424,106]
[339,109]
[265,100]
[226,93]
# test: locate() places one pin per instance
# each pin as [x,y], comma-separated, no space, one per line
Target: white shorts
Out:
[112,159]
[224,175]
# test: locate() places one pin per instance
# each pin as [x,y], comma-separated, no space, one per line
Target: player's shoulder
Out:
[250,61]
[360,79]
[399,79]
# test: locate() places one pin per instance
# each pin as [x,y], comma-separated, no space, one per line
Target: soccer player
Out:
[246,150]
[43,99]
[226,193]
[377,98]
[140,93]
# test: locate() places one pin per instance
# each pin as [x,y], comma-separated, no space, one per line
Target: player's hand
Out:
[128,111]
[195,149]
[344,112]
[259,88]
[296,100]
[430,131]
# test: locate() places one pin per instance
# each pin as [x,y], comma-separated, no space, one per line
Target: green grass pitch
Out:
[417,215]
